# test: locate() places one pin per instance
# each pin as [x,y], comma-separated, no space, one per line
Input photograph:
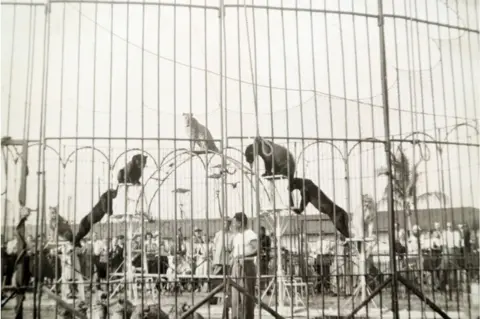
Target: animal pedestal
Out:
[127,209]
[279,199]
[360,242]
[71,272]
[278,192]
[129,200]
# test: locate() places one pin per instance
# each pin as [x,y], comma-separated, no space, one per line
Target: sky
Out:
[131,71]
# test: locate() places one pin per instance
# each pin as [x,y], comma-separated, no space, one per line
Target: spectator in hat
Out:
[245,246]
[150,245]
[465,238]
[151,249]
[197,235]
[137,242]
[181,244]
[117,256]
[201,259]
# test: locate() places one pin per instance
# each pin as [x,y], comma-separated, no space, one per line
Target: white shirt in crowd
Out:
[413,242]
[323,246]
[242,239]
[451,239]
[98,247]
[12,247]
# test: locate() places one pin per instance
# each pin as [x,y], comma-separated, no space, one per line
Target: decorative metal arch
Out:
[82,148]
[163,162]
[321,142]
[460,125]
[244,170]
[18,156]
[370,139]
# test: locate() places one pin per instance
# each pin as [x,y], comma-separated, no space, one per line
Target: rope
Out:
[254,87]
[254,83]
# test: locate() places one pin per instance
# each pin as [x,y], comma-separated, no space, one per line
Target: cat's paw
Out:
[297,211]
[267,174]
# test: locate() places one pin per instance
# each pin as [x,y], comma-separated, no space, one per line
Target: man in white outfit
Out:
[245,245]
[223,245]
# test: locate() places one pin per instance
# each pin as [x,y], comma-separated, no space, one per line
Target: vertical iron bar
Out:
[207,237]
[453,68]
[190,107]
[23,181]
[317,130]
[386,119]
[159,218]
[142,192]
[110,165]
[7,157]
[437,147]
[94,105]
[332,148]
[61,165]
[415,129]
[77,125]
[44,109]
[443,90]
[361,228]
[255,88]
[303,247]
[127,219]
[174,30]
[464,255]
[280,266]
[223,205]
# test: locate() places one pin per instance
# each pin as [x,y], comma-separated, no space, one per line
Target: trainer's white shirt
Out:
[242,239]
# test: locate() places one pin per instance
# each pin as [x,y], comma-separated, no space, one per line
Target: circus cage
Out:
[138,135]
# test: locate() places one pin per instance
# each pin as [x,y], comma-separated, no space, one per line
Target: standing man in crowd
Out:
[465,238]
[117,254]
[97,249]
[245,245]
[451,247]
[436,238]
[222,248]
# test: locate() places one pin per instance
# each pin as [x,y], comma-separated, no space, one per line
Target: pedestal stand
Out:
[77,277]
[362,288]
[128,213]
[130,275]
[278,185]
